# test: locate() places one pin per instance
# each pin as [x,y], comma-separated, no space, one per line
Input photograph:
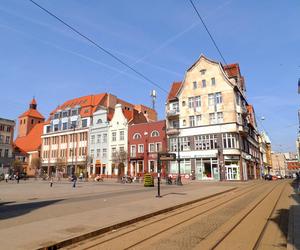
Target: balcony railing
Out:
[172,131]
[172,112]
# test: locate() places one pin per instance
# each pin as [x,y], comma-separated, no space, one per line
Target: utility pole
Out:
[178,162]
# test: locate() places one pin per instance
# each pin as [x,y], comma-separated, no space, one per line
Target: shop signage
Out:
[231,157]
[167,157]
[98,162]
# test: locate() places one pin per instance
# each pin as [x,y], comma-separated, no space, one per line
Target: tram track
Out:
[182,215]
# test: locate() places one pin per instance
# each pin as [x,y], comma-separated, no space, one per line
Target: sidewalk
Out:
[42,233]
[294,221]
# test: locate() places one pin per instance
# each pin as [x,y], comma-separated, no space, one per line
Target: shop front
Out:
[232,167]
[207,169]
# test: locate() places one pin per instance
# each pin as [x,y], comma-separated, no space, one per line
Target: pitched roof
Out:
[32,113]
[174,89]
[88,104]
[32,141]
[232,70]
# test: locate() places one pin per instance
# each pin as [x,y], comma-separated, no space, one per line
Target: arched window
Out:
[154,133]
[99,121]
[137,136]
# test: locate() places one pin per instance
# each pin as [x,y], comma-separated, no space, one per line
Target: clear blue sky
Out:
[42,58]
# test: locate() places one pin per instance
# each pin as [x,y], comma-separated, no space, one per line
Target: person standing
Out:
[51,181]
[18,177]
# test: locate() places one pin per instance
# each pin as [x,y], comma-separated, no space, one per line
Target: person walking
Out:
[74,179]
[18,177]
[6,177]
[51,181]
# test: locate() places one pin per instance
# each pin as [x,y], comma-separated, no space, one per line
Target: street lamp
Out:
[73,126]
[178,181]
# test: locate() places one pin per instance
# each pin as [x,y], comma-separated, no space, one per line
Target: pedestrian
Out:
[51,181]
[6,177]
[18,177]
[74,179]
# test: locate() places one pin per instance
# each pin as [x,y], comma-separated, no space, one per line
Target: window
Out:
[93,139]
[56,116]
[8,128]
[84,123]
[65,114]
[113,152]
[158,146]
[230,140]
[104,152]
[65,125]
[192,121]
[184,123]
[198,120]
[198,101]
[184,143]
[99,138]
[205,142]
[238,99]
[194,85]
[151,147]
[32,121]
[133,151]
[6,153]
[104,138]
[121,135]
[202,71]
[213,81]
[99,121]
[141,148]
[212,118]
[74,112]
[219,117]
[7,139]
[175,124]
[203,83]
[183,103]
[218,97]
[175,106]
[114,136]
[98,152]
[211,99]
[56,127]
[92,153]
[73,124]
[173,144]
[191,102]
[154,133]
[136,136]
[121,149]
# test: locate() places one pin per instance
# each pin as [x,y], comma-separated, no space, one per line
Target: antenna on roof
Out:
[153,96]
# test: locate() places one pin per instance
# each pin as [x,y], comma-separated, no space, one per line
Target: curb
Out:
[100,231]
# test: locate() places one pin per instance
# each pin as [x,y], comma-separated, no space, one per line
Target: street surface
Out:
[33,215]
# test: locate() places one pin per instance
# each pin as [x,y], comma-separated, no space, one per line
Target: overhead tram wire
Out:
[211,37]
[99,46]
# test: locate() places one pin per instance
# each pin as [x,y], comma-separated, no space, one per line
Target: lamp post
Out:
[73,139]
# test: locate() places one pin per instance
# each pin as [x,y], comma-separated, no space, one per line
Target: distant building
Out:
[279,166]
[28,142]
[208,113]
[6,144]
[265,153]
[145,141]
[71,136]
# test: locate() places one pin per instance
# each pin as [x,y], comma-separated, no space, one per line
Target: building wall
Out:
[151,137]
[6,141]
[279,164]
[116,144]
[26,124]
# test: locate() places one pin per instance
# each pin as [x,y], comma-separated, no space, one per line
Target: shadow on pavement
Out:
[9,211]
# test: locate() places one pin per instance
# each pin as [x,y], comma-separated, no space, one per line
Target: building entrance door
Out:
[232,172]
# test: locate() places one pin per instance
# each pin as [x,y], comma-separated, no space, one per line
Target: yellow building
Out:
[209,115]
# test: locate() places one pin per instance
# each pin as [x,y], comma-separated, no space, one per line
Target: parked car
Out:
[268,177]
[279,176]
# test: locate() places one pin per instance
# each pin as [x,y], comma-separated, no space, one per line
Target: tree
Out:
[86,164]
[17,166]
[36,165]
[119,158]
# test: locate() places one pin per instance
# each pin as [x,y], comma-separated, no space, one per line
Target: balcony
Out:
[172,131]
[172,113]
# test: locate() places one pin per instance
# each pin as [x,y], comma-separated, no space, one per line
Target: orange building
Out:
[27,145]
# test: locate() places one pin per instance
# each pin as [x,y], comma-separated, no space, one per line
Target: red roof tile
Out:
[32,141]
[232,70]
[174,90]
[32,113]
[33,101]
[88,104]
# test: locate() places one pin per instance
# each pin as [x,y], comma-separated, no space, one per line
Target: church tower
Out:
[29,119]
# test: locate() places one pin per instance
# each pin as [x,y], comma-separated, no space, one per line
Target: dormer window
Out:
[56,116]
[202,71]
[154,133]
[74,112]
[137,136]
[99,121]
